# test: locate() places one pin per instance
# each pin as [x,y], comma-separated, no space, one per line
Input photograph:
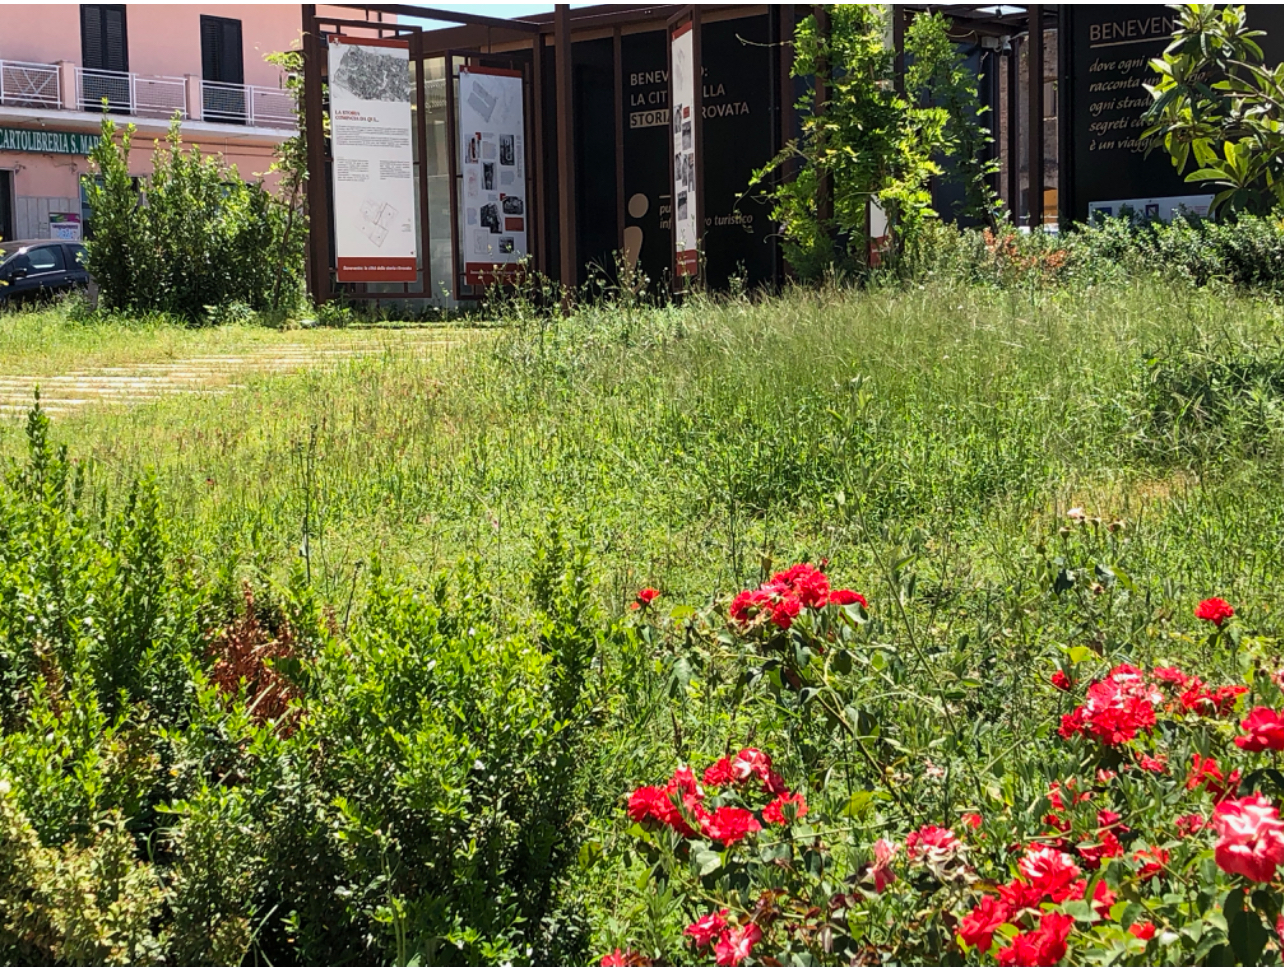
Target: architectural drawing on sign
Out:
[373,76]
[482,101]
[377,218]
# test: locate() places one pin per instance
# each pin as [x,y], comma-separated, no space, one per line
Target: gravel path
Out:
[205,374]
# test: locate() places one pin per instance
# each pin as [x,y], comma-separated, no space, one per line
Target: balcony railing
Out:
[247,104]
[24,85]
[130,93]
[29,85]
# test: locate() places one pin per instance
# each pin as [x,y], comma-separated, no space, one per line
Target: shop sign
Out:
[47,142]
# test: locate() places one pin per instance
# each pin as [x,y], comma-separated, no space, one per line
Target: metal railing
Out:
[24,85]
[247,104]
[130,93]
[30,85]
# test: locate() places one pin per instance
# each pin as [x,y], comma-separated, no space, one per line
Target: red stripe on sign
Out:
[497,71]
[369,41]
[682,30]
[688,262]
[373,269]
[513,225]
[486,273]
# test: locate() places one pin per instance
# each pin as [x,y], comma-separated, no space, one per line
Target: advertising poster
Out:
[374,189]
[493,213]
[682,126]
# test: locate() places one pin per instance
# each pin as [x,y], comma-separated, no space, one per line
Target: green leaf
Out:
[706,861]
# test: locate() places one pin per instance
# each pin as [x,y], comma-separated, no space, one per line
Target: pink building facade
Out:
[59,62]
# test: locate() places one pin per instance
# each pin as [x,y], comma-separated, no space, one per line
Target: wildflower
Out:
[729,825]
[1216,611]
[786,809]
[1061,681]
[1143,930]
[976,929]
[734,946]
[1251,838]
[1265,730]
[703,931]
[932,844]
[884,852]
[1045,946]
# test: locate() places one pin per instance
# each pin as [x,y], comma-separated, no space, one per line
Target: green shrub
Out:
[191,239]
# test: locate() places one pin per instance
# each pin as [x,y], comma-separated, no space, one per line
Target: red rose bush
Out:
[1147,831]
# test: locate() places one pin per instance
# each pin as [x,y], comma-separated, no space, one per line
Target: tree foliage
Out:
[868,141]
[1218,103]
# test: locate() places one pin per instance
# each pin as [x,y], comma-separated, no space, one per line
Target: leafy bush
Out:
[204,773]
[191,239]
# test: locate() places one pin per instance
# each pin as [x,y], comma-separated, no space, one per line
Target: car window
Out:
[14,263]
[45,259]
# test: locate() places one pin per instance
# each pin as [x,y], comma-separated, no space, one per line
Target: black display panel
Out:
[1107,51]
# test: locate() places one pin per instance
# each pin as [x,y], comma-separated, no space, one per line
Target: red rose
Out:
[720,773]
[1252,838]
[881,869]
[977,928]
[627,957]
[1050,871]
[972,820]
[1216,611]
[705,930]
[1045,946]
[645,597]
[1265,729]
[846,597]
[774,813]
[931,843]
[1061,681]
[1204,772]
[1143,930]
[735,945]
[1152,861]
[729,825]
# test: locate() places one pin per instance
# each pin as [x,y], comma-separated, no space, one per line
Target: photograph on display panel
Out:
[491,110]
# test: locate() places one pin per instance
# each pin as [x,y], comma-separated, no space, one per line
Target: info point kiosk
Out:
[451,152]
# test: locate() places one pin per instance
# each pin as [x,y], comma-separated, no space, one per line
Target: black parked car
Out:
[38,270]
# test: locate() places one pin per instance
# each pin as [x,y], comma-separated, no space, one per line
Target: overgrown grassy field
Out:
[688,445]
[371,763]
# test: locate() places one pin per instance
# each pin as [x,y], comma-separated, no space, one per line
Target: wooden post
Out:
[898,46]
[565,147]
[1036,115]
[421,149]
[318,201]
[1013,123]
[538,220]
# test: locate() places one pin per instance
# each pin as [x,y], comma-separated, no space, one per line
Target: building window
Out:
[103,44]
[104,55]
[222,70]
